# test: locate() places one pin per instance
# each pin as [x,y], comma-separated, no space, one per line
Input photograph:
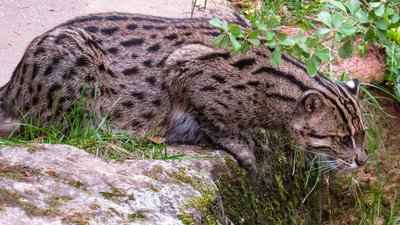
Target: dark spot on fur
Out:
[102,67]
[117,18]
[132,42]
[154,48]
[226,91]
[239,87]
[187,34]
[183,27]
[111,73]
[253,83]
[134,56]
[156,102]
[48,70]
[113,50]
[27,107]
[132,26]
[61,37]
[56,60]
[212,33]
[123,86]
[178,43]
[207,88]
[81,61]
[50,94]
[154,36]
[89,79]
[211,56]
[161,28]
[127,104]
[243,63]
[39,88]
[116,115]
[22,79]
[109,31]
[35,100]
[147,115]
[34,71]
[30,89]
[24,69]
[148,27]
[71,72]
[130,71]
[154,20]
[162,61]
[92,29]
[223,104]
[171,37]
[38,51]
[147,63]
[151,80]
[219,79]
[137,95]
[135,124]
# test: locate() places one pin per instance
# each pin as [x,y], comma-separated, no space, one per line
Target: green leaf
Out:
[291,40]
[354,6]
[379,11]
[235,30]
[338,36]
[303,47]
[346,51]
[323,33]
[245,47]
[269,35]
[276,56]
[235,44]
[282,36]
[369,35]
[362,16]
[253,33]
[274,23]
[217,41]
[395,18]
[254,41]
[224,42]
[362,50]
[374,4]
[323,54]
[296,51]
[382,35]
[337,20]
[347,29]
[216,22]
[325,18]
[382,24]
[311,67]
[389,11]
[338,5]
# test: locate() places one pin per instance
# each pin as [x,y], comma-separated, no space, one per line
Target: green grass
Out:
[81,128]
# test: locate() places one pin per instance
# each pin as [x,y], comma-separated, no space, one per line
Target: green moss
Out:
[78,218]
[76,184]
[115,193]
[137,216]
[14,199]
[17,172]
[185,218]
[275,195]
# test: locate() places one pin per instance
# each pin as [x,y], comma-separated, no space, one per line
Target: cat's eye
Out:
[345,139]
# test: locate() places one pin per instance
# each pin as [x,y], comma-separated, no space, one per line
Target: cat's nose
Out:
[361,159]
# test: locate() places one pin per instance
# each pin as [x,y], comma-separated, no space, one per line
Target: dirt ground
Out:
[23,20]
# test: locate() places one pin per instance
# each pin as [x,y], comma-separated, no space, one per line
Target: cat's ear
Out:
[353,86]
[314,102]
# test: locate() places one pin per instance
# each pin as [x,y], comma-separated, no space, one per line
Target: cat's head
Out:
[330,122]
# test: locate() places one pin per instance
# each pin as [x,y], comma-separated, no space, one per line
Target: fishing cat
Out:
[150,72]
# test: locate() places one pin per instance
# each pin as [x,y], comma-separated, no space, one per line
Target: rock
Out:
[60,184]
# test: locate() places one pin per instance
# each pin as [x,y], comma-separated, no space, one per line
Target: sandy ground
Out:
[21,21]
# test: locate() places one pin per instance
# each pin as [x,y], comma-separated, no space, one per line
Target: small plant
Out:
[332,23]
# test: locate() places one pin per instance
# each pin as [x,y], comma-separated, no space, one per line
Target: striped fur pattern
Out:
[152,72]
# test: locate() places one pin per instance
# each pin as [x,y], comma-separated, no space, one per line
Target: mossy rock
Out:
[285,192]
